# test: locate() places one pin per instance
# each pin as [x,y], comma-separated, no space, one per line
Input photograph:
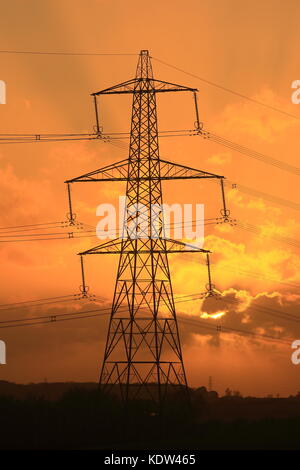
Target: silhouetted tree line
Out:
[87,419]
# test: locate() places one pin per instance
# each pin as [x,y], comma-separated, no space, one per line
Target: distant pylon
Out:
[143,355]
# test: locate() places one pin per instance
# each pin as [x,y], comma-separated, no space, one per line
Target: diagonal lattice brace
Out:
[165,245]
[167,170]
[171,170]
[115,172]
[130,86]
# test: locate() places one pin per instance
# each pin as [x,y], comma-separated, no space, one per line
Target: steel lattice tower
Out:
[143,275]
[143,355]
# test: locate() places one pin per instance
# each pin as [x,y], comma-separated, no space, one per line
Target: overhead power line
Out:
[118,142]
[262,195]
[204,80]
[32,225]
[228,90]
[54,316]
[274,236]
[258,275]
[76,297]
[239,331]
[105,311]
[251,153]
[256,230]
[245,189]
[36,300]
[242,149]
[68,53]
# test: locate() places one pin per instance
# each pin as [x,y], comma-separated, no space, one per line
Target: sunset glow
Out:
[255,265]
[213,315]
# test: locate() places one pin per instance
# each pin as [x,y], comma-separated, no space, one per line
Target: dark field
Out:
[78,416]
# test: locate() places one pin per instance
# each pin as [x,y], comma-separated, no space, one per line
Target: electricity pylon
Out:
[143,355]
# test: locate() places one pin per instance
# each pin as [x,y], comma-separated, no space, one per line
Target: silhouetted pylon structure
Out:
[143,353]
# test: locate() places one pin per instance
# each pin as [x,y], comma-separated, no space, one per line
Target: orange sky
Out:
[247,46]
